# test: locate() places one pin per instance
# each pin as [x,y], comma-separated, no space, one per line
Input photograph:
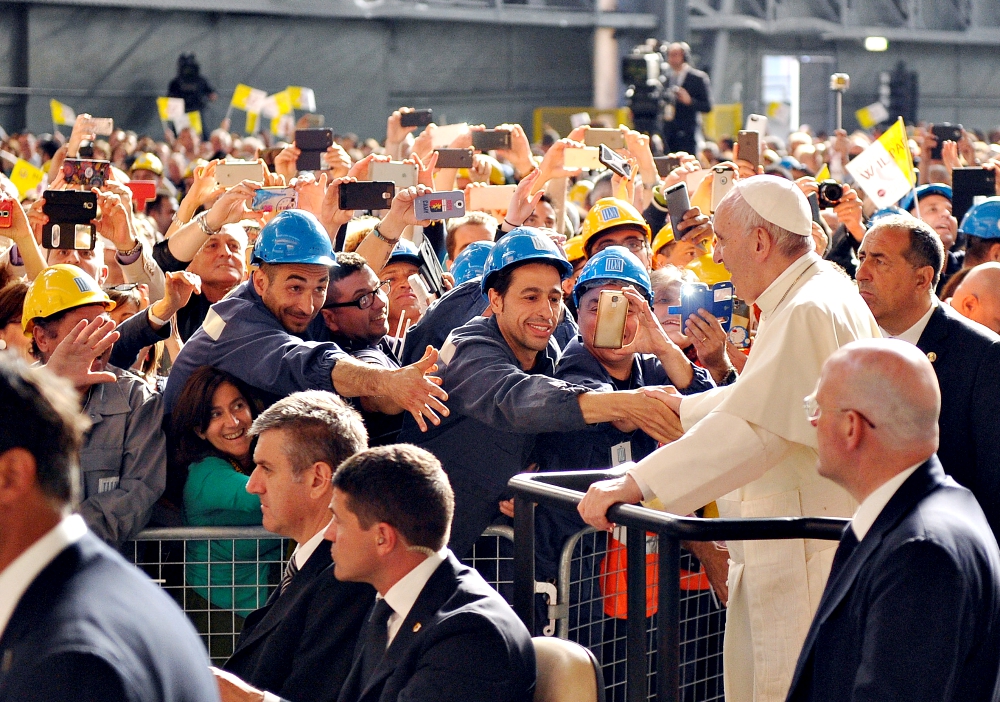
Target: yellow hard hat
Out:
[663,237]
[579,192]
[189,171]
[608,213]
[574,248]
[708,271]
[147,162]
[59,288]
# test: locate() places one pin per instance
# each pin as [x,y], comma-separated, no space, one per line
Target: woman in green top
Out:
[211,425]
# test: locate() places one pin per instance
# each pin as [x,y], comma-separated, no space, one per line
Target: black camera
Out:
[830,194]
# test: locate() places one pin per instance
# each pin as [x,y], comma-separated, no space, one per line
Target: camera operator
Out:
[686,92]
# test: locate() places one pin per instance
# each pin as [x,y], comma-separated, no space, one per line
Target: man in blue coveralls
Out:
[256,333]
[498,372]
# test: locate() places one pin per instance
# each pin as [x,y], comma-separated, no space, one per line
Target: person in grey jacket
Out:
[123,458]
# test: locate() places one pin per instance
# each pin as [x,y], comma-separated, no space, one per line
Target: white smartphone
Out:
[757,123]
[444,135]
[587,157]
[723,180]
[490,197]
[404,175]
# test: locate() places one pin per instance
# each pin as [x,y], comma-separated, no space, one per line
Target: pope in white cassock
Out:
[748,445]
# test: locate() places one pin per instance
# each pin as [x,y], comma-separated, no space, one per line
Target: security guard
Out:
[498,372]
[256,332]
[123,459]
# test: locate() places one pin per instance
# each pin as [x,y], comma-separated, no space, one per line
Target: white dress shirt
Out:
[912,335]
[873,505]
[18,576]
[407,589]
[304,551]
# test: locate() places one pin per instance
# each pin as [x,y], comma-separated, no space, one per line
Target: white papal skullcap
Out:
[779,201]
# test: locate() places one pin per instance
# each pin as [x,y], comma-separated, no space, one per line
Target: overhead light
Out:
[876,43]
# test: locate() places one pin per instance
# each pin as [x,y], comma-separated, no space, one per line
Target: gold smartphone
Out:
[612,311]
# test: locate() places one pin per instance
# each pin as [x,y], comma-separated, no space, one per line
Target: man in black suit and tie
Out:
[438,631]
[300,644]
[688,94]
[911,607]
[77,623]
[901,259]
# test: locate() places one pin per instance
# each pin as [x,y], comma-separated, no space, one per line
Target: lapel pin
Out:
[932,357]
[416,627]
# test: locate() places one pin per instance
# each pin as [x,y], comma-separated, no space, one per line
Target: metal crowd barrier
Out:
[173,559]
[650,648]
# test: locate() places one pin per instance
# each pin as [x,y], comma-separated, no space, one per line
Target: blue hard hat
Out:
[404,251]
[983,220]
[615,264]
[885,212]
[923,191]
[294,236]
[470,263]
[523,245]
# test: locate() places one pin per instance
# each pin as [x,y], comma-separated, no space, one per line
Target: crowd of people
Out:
[298,370]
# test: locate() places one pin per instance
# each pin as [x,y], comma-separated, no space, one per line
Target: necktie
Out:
[848,543]
[376,640]
[290,570]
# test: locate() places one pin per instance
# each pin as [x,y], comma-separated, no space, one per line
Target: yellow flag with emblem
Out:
[62,114]
[885,169]
[25,177]
[302,98]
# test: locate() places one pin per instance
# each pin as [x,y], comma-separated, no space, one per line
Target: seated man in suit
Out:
[901,260]
[300,644]
[438,631]
[76,621]
[910,609]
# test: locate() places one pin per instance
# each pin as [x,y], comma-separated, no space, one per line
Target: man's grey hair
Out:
[320,428]
[787,242]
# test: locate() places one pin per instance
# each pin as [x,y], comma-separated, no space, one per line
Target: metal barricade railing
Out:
[218,575]
[642,656]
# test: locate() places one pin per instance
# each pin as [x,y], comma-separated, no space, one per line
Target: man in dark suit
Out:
[76,621]
[438,631]
[901,259]
[688,92]
[300,644]
[910,609]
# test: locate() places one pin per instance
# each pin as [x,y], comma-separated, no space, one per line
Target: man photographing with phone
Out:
[766,466]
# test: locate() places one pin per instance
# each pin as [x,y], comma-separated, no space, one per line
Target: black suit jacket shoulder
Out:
[913,613]
[300,645]
[92,627]
[461,641]
[966,358]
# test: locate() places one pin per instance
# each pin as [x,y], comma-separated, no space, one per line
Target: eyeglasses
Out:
[634,245]
[813,411]
[363,302]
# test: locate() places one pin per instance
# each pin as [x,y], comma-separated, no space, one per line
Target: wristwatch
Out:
[202,220]
[383,237]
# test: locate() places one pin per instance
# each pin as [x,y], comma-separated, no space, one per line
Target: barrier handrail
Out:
[560,488]
[566,489]
[191,533]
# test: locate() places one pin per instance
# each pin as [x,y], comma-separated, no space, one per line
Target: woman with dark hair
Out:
[213,461]
[12,336]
